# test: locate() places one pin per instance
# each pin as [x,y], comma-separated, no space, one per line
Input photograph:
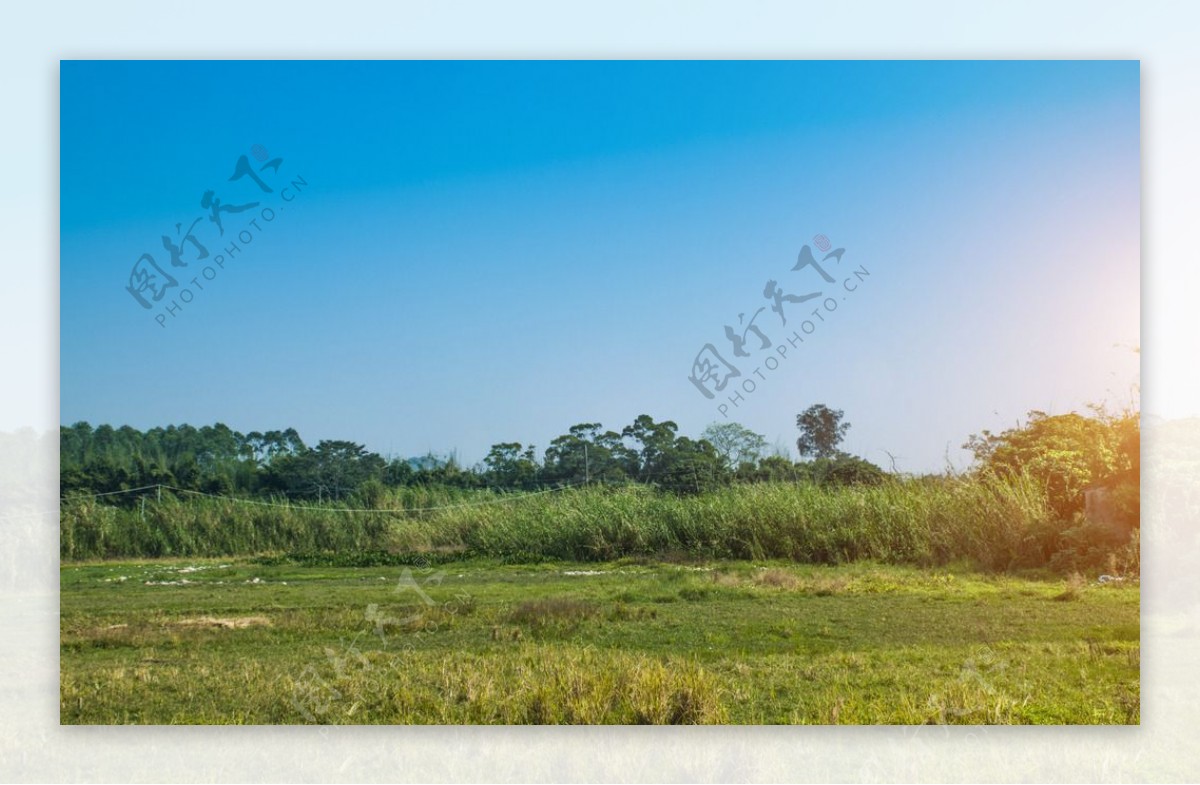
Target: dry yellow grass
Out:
[776,578]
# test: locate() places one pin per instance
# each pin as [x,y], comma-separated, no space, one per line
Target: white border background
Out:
[33,747]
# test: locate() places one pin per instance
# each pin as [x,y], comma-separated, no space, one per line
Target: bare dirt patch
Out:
[235,623]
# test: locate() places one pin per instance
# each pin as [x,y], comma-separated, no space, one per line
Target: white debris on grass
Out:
[184,570]
[632,572]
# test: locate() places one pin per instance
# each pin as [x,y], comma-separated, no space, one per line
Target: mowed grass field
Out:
[629,641]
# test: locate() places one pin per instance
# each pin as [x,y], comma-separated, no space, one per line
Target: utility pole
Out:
[587,467]
[143,508]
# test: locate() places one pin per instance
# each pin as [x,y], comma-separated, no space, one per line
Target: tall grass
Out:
[212,527]
[998,524]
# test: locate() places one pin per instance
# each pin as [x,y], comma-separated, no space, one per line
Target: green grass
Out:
[634,640]
[996,524]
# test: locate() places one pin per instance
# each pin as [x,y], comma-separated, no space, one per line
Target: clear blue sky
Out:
[491,252]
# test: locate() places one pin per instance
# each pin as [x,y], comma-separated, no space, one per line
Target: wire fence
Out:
[642,478]
[158,488]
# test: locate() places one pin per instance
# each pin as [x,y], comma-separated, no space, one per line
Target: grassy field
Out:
[241,640]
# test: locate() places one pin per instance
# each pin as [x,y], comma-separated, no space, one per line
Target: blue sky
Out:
[487,252]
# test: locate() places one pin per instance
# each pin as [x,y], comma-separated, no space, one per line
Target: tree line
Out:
[1067,454]
[219,460]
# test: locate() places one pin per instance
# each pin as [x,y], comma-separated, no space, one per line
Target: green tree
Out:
[735,444]
[331,470]
[398,472]
[690,466]
[821,431]
[511,465]
[674,463]
[653,445]
[584,452]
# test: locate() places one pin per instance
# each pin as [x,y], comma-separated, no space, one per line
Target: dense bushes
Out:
[1069,454]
